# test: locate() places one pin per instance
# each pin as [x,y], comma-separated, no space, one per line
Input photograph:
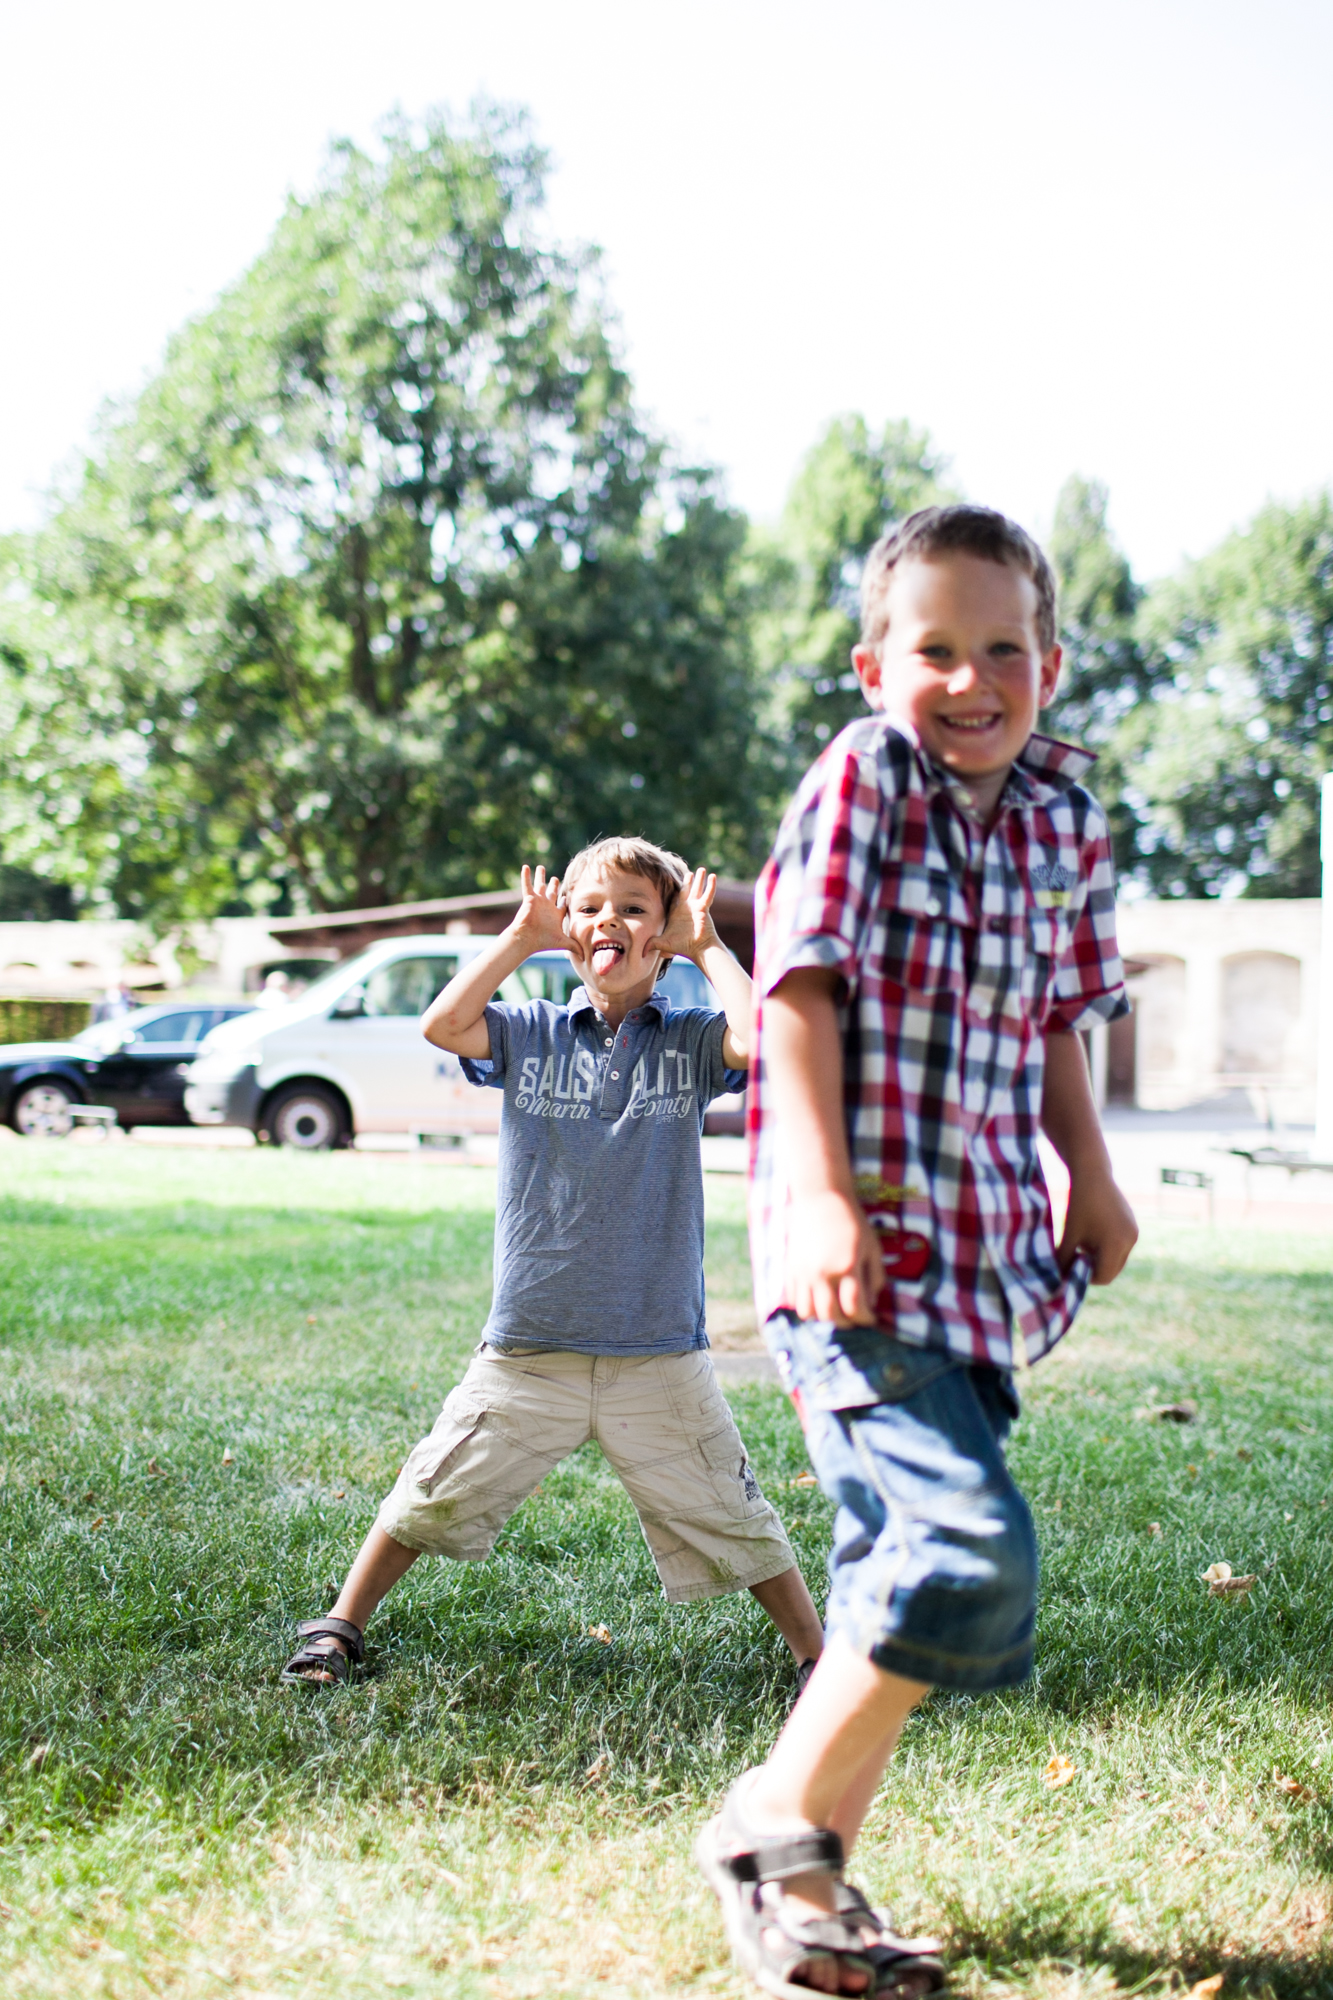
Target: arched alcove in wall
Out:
[1261,1006]
[1161,1022]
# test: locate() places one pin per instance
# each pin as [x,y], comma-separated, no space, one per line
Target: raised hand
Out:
[540,921]
[690,930]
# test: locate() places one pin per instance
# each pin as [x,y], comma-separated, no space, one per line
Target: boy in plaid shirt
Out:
[935,924]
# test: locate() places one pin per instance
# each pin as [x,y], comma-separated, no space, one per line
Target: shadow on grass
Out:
[1043,1940]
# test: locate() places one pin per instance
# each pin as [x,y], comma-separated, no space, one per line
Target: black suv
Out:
[135,1064]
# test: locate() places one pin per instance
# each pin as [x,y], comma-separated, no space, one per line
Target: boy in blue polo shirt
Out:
[596,1328]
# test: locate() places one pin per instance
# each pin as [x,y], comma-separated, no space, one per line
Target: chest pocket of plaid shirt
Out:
[925,933]
[1047,941]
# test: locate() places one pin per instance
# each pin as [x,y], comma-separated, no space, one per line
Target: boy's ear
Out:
[1049,678]
[870,673]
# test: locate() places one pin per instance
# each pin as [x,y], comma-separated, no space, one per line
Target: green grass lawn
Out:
[211,1364]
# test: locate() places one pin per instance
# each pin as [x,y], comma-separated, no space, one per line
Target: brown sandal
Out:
[737,1862]
[894,1958]
[317,1666]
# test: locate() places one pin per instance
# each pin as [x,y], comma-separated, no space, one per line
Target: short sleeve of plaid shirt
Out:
[958,948]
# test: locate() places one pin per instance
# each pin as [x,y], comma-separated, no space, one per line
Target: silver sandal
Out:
[737,1861]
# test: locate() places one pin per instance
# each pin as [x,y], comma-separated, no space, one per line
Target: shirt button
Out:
[933,906]
[615,1076]
[610,1041]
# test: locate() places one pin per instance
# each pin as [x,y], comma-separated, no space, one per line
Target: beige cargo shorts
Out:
[662,1422]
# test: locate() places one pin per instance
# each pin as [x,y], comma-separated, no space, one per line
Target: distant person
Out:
[935,925]
[115,1003]
[276,990]
[596,1329]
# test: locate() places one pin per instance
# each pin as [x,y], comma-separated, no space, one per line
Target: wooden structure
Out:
[483,914]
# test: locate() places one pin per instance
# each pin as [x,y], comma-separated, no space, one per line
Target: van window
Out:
[541,979]
[408,985]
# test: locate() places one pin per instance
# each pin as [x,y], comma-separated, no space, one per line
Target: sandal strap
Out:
[335,1628]
[851,1902]
[775,1858]
[772,1857]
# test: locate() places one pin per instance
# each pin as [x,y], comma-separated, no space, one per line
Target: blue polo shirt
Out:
[599,1224]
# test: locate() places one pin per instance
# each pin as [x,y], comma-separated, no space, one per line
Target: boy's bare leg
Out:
[380,1561]
[825,1766]
[791,1607]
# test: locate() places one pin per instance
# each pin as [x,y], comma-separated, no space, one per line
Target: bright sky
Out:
[1062,237]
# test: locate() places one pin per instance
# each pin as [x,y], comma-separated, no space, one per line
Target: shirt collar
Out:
[1044,768]
[579,1003]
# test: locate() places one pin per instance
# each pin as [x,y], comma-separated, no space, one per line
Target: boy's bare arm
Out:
[1099,1219]
[834,1268]
[456,1018]
[691,933]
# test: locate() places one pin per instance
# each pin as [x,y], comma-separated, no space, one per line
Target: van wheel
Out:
[308,1117]
[42,1111]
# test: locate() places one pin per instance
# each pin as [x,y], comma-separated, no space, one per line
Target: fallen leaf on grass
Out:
[1058,1772]
[1193,1471]
[1221,1582]
[1176,1413]
[1154,1527]
[40,1615]
[39,1756]
[310,1319]
[1244,1453]
[1293,1787]
[600,1632]
[227,1457]
[598,1767]
[341,1496]
[100,1522]
[154,1470]
[805,1479]
[1204,1989]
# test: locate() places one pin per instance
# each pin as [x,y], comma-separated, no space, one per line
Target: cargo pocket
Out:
[732,1474]
[429,1461]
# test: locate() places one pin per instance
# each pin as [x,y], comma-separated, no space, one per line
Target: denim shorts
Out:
[934,1562]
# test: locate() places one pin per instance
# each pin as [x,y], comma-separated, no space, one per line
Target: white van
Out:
[349,1055]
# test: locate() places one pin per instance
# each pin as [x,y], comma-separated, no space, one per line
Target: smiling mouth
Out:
[606,955]
[973,724]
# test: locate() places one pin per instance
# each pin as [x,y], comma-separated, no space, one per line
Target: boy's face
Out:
[613,919]
[962,663]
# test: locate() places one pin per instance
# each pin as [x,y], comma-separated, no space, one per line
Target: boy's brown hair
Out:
[626,854]
[939,531]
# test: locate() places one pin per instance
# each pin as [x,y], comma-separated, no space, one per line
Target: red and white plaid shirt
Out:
[959,949]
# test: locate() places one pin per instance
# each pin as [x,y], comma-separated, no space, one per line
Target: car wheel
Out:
[307,1117]
[42,1111]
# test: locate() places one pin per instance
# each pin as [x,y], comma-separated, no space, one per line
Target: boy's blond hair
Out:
[940,531]
[627,854]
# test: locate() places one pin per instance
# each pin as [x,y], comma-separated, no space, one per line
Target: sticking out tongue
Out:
[605,957]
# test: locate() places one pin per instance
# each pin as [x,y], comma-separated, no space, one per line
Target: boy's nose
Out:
[964,678]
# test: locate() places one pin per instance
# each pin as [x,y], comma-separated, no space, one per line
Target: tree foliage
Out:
[850,487]
[380,587]
[1224,766]
[1106,672]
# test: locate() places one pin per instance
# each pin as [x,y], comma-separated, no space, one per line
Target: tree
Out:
[1225,763]
[380,587]
[1106,671]
[849,489]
